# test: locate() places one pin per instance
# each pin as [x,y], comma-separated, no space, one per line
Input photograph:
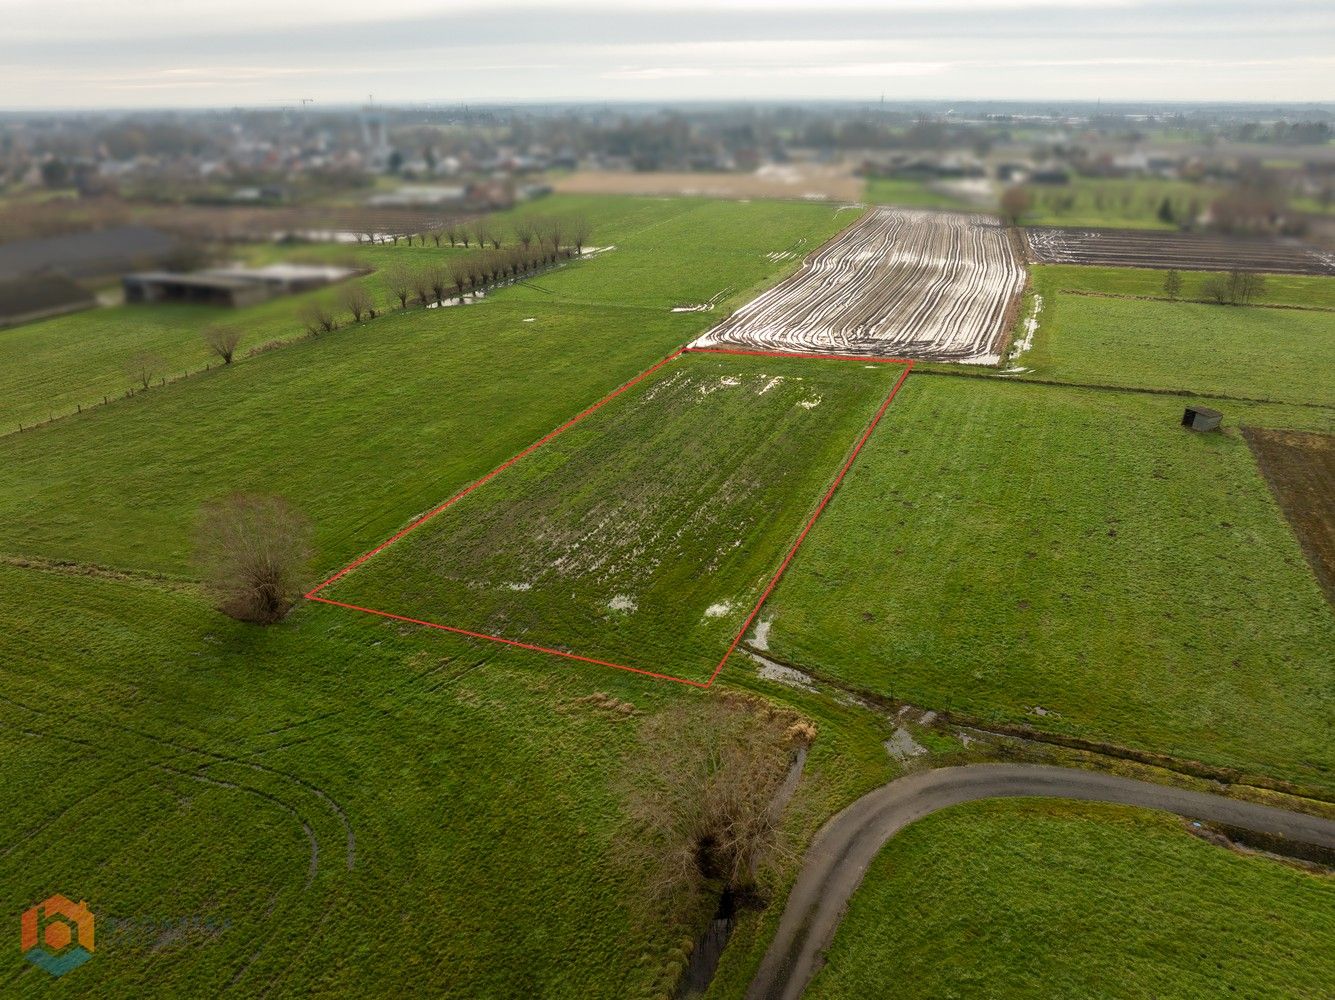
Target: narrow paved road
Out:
[845,846]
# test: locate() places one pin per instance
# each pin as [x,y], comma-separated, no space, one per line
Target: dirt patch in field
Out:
[1300,468]
[808,181]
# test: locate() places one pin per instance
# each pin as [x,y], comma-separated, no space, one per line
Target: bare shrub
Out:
[253,551]
[144,367]
[317,317]
[222,340]
[700,792]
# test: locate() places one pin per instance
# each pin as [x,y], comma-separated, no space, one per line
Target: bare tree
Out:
[437,277]
[399,281]
[317,317]
[1172,284]
[461,276]
[356,299]
[253,551]
[1236,288]
[554,231]
[144,367]
[580,230]
[1246,286]
[422,286]
[452,232]
[701,791]
[481,231]
[525,228]
[1015,201]
[222,340]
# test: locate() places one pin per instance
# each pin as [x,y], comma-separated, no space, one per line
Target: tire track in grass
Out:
[218,758]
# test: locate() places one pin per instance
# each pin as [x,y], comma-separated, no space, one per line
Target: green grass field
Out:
[1248,352]
[668,253]
[342,805]
[1009,899]
[1085,201]
[180,772]
[214,771]
[1284,355]
[51,367]
[1002,548]
[1308,291]
[331,807]
[1134,204]
[361,428]
[645,534]
[687,251]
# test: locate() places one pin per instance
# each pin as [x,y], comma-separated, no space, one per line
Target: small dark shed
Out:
[1202,418]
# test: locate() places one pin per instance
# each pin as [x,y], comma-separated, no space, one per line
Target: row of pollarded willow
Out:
[527,231]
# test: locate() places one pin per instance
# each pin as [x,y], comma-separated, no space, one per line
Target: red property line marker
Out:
[313,593]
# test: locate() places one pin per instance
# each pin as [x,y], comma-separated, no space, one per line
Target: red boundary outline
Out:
[313,593]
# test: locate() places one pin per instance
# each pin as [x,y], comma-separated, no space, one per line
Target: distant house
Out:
[1050,174]
[23,300]
[87,255]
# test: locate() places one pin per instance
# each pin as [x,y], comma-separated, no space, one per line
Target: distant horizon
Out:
[1110,105]
[78,55]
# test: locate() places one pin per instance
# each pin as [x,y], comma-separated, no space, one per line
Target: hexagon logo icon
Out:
[57,935]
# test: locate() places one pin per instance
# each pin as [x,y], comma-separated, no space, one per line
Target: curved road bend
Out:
[845,846]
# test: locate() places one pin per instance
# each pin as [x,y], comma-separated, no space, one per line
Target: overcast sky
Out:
[145,53]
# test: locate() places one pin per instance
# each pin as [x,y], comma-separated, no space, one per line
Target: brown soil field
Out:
[1300,468]
[807,181]
[934,286]
[1187,251]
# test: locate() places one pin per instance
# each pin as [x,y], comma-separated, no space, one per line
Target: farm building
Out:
[23,300]
[233,287]
[1202,418]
